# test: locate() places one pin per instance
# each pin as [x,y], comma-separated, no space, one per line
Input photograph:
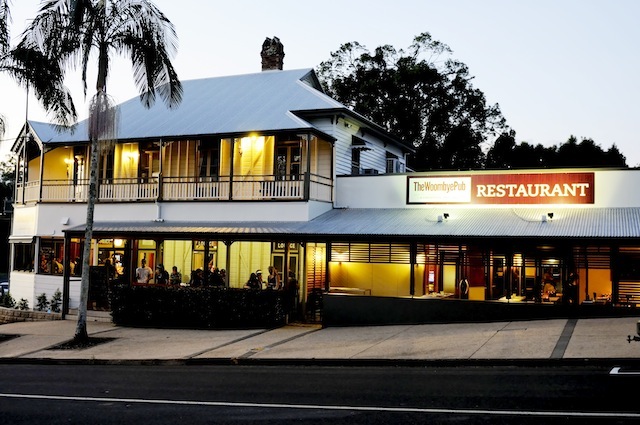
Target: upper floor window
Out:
[288,160]
[209,158]
[106,166]
[355,161]
[149,160]
[393,164]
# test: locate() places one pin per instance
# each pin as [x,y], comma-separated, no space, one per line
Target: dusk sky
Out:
[556,68]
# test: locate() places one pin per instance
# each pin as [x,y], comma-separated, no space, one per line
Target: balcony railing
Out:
[222,188]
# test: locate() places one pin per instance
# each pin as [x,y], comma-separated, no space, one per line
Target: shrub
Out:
[23,304]
[7,300]
[42,302]
[205,307]
[56,301]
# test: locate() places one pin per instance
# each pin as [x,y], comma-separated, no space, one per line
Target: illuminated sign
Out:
[533,188]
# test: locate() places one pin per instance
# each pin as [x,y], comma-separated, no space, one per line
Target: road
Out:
[198,394]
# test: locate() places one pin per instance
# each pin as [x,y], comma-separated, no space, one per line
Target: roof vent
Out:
[272,54]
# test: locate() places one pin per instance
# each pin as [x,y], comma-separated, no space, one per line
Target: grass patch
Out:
[80,345]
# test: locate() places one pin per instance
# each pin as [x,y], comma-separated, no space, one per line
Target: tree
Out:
[7,178]
[505,153]
[66,29]
[422,96]
[30,67]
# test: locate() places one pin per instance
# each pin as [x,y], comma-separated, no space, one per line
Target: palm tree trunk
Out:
[81,326]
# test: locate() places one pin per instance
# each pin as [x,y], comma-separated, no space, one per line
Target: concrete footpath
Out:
[560,339]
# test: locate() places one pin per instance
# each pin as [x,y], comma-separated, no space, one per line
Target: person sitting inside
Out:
[253,282]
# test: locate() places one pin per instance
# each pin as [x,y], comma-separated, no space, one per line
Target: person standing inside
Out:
[143,273]
[175,278]
[273,280]
[259,277]
[162,276]
[253,282]
[464,289]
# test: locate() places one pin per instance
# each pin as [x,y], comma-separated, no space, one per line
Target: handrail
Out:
[181,188]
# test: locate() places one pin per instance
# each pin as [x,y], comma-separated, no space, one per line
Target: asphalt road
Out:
[197,394]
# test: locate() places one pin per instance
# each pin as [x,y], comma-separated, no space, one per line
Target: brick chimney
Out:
[272,54]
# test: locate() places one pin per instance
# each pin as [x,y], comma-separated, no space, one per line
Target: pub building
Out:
[264,169]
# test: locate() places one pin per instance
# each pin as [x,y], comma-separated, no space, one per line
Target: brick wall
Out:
[10,315]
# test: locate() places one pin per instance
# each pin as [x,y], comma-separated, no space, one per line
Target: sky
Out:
[556,68]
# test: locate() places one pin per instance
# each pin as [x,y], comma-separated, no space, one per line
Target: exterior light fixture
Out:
[550,215]
[446,215]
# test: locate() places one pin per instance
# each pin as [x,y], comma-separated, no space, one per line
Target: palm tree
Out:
[67,29]
[30,67]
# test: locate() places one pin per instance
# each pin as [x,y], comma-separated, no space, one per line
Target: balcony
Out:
[303,187]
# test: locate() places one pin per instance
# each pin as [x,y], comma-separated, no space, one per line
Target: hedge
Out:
[203,307]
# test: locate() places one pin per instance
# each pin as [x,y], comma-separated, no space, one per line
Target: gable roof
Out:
[267,101]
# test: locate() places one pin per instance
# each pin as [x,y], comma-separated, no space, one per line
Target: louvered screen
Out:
[371,253]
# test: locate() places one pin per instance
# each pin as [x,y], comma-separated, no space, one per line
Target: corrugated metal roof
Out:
[467,222]
[222,105]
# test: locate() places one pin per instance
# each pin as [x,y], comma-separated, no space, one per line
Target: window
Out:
[23,254]
[51,256]
[106,167]
[355,161]
[209,158]
[149,161]
[393,164]
[288,160]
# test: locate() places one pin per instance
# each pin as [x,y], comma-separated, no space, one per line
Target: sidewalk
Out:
[602,338]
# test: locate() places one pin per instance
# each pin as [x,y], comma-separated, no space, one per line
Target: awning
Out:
[443,222]
[21,239]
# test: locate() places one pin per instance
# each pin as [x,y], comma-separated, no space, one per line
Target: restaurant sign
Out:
[533,188]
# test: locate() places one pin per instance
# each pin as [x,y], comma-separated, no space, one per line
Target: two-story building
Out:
[213,183]
[264,169]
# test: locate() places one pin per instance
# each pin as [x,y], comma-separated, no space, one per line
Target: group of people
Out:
[273,281]
[216,277]
[161,276]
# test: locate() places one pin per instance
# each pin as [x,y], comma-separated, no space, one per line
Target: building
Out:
[265,169]
[194,187]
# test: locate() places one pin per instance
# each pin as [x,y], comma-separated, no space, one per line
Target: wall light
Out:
[550,215]
[446,215]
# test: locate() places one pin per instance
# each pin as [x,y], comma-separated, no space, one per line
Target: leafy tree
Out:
[7,178]
[67,29]
[505,153]
[421,95]
[30,67]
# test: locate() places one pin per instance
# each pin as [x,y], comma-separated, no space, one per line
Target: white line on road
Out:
[327,407]
[618,371]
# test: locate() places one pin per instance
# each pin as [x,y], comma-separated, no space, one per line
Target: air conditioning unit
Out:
[370,171]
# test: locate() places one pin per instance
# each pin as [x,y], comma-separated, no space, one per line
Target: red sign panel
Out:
[540,188]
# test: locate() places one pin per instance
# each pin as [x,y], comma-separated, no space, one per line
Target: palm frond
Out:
[5,21]
[29,66]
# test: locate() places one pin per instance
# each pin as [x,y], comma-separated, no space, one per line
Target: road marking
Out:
[618,371]
[327,407]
